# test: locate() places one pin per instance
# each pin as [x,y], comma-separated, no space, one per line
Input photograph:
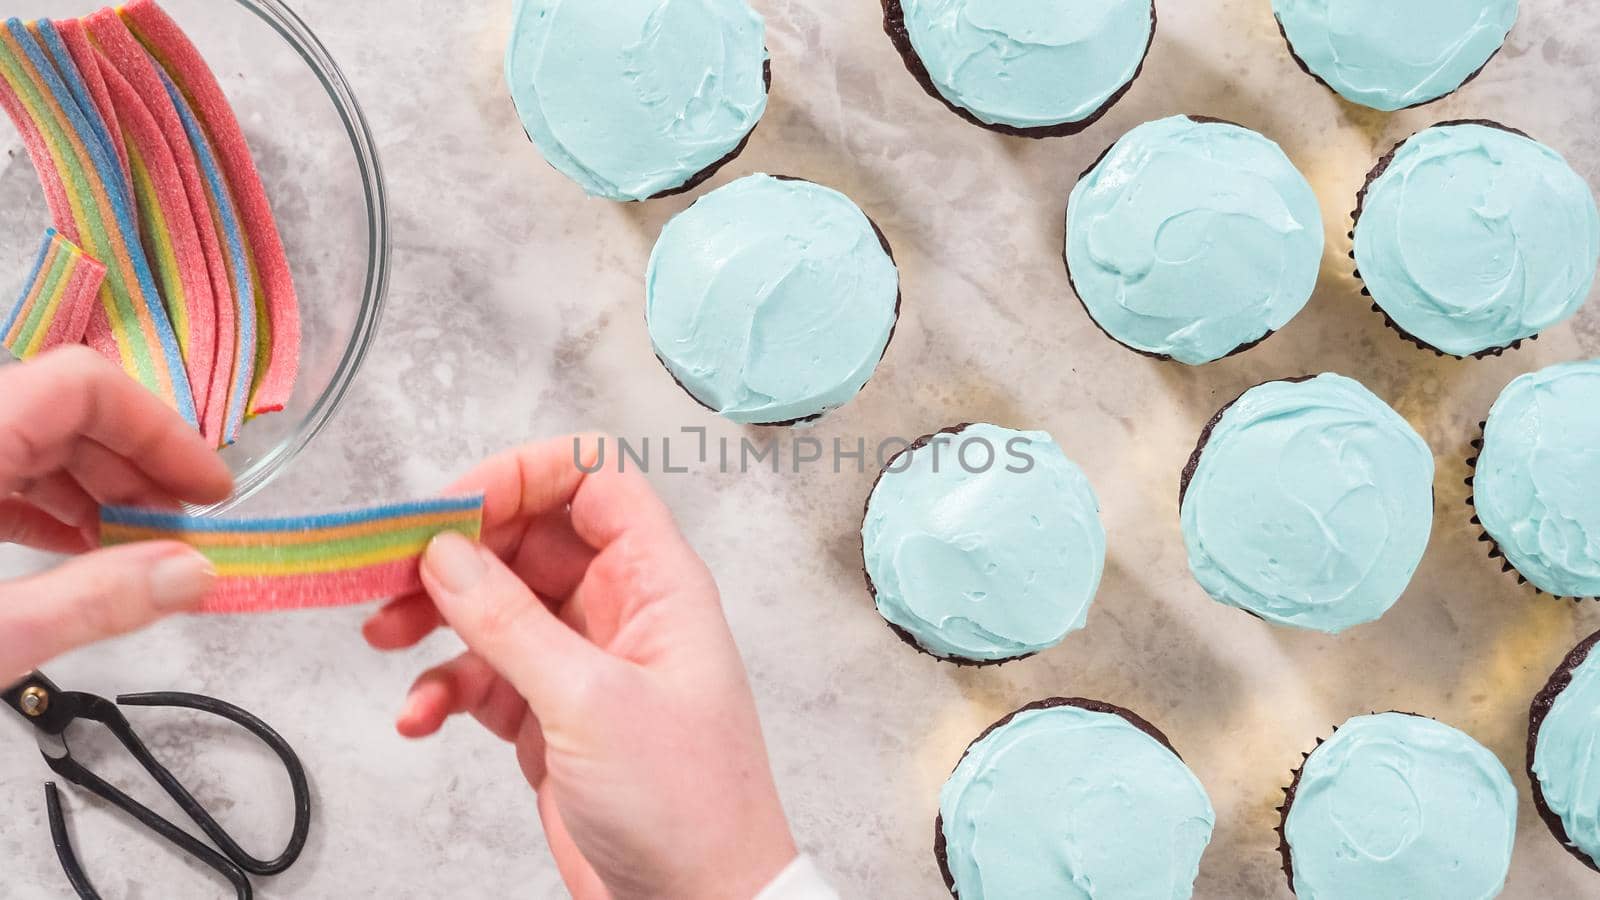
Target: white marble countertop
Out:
[517,311]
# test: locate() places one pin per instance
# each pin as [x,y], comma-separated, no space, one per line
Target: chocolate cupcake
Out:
[1193,239]
[982,544]
[1392,55]
[632,102]
[1536,484]
[1308,503]
[1471,237]
[771,300]
[1023,69]
[1069,793]
[1564,753]
[1395,806]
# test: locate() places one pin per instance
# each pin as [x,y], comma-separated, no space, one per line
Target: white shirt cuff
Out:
[801,880]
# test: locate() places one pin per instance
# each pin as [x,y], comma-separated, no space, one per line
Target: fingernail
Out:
[453,561]
[181,581]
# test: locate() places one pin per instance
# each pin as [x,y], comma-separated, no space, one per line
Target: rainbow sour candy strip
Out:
[123,58]
[278,348]
[73,41]
[241,273]
[315,561]
[130,308]
[172,242]
[56,299]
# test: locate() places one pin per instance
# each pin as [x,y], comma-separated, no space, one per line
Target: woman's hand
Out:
[75,433]
[597,645]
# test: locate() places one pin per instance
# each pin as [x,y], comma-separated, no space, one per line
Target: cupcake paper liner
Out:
[872,589]
[1073,284]
[1484,537]
[894,25]
[899,297]
[940,852]
[1536,714]
[1355,218]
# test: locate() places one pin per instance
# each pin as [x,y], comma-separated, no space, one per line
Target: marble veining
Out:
[517,310]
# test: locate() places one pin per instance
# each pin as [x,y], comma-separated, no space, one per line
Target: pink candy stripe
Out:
[78,299]
[157,31]
[288,592]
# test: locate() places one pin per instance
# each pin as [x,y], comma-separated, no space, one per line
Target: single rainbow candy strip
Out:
[130,308]
[278,346]
[314,561]
[241,272]
[56,299]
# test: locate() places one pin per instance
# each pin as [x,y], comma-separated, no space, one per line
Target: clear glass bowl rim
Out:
[304,42]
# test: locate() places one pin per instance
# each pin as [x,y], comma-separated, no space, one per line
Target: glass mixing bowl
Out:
[320,166]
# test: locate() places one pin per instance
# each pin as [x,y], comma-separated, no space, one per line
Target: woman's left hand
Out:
[76,433]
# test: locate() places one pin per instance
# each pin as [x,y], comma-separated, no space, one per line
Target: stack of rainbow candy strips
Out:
[164,254]
[295,563]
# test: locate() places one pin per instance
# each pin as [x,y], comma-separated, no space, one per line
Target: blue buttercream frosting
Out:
[630,98]
[1537,484]
[1029,65]
[1474,238]
[771,300]
[1071,804]
[1391,54]
[1192,239]
[1566,757]
[984,545]
[1398,807]
[1311,505]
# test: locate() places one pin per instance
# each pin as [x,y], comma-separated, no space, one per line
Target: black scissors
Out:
[50,710]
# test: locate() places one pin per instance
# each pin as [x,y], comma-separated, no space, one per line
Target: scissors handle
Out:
[263,732]
[233,862]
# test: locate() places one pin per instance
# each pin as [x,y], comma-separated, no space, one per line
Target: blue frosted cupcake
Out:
[1394,54]
[982,544]
[1395,806]
[635,99]
[1471,237]
[1024,69]
[1536,483]
[1193,239]
[771,300]
[1308,503]
[1064,794]
[1564,753]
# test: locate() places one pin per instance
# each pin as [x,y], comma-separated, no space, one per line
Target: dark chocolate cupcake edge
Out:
[1073,284]
[1298,61]
[899,298]
[894,25]
[1355,219]
[1484,537]
[1282,831]
[704,175]
[941,851]
[1542,702]
[872,588]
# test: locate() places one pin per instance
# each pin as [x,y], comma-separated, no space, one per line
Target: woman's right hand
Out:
[598,647]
